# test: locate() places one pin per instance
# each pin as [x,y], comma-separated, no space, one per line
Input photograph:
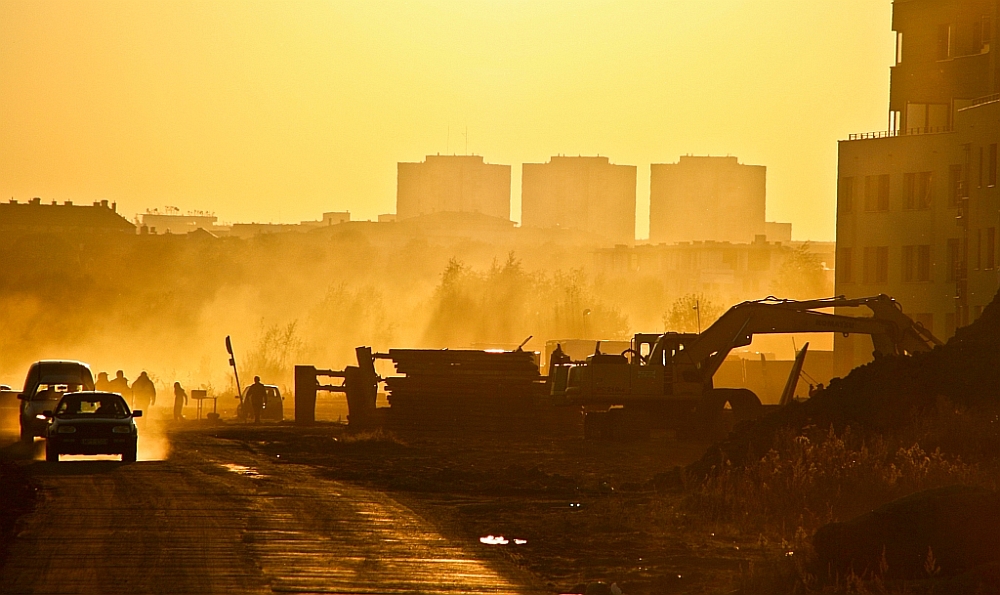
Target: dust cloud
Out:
[165,304]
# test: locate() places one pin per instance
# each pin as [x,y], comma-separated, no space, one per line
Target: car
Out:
[91,423]
[46,383]
[273,406]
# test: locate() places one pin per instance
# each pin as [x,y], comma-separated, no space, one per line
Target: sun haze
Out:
[266,111]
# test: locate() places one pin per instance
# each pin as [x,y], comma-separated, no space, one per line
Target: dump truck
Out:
[666,380]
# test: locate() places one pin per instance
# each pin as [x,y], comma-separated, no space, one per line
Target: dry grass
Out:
[807,480]
[813,477]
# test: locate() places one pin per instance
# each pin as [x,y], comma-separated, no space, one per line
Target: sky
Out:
[280,111]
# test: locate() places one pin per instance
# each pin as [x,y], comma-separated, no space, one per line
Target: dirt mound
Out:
[885,395]
[941,532]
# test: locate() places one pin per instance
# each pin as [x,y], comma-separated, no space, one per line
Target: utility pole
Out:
[697,312]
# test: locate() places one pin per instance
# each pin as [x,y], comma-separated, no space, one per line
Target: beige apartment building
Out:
[918,208]
[707,199]
[588,194]
[452,184]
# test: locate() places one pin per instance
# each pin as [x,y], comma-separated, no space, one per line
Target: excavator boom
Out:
[892,332]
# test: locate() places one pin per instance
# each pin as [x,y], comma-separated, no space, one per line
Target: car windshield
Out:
[92,406]
[53,392]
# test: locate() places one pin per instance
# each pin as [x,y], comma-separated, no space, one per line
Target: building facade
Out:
[33,218]
[729,273]
[588,194]
[452,184]
[706,199]
[173,222]
[918,210]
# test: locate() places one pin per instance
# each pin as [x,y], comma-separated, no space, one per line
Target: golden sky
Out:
[278,111]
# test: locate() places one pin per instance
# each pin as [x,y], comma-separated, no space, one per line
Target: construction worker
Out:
[257,394]
[143,392]
[180,400]
[120,385]
[103,383]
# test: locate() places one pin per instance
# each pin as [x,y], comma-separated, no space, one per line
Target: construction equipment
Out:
[360,385]
[467,389]
[667,379]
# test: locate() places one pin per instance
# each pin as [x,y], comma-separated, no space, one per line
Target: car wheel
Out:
[51,454]
[130,455]
[26,436]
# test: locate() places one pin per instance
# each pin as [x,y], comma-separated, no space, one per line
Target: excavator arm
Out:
[892,332]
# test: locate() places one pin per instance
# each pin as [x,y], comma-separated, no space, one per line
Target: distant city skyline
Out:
[278,111]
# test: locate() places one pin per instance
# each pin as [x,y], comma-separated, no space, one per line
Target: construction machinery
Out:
[667,379]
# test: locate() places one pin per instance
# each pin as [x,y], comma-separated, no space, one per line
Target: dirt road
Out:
[215,518]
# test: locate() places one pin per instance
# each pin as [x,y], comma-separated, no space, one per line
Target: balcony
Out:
[907,132]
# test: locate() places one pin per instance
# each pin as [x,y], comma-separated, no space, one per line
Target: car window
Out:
[53,392]
[88,406]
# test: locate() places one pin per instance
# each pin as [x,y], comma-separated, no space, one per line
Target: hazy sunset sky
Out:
[278,111]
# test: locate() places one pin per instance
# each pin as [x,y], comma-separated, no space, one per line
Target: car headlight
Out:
[122,430]
[66,429]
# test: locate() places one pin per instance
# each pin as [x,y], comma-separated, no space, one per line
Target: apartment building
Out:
[918,209]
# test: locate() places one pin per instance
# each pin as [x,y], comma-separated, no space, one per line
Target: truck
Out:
[666,380]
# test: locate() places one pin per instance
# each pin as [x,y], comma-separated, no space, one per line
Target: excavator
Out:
[665,380]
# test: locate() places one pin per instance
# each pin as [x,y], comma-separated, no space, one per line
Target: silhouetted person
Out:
[256,394]
[120,385]
[180,400]
[103,383]
[143,392]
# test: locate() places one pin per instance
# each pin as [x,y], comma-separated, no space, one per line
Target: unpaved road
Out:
[216,518]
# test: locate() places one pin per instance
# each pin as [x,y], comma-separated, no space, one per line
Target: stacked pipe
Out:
[465,389]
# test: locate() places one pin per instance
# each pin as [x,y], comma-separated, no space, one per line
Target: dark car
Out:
[274,409]
[91,423]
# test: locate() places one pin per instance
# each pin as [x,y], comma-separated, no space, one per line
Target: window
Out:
[955,190]
[991,242]
[953,258]
[899,47]
[845,265]
[982,35]
[991,172]
[882,264]
[876,264]
[923,263]
[944,42]
[979,249]
[918,190]
[877,193]
[883,190]
[980,167]
[916,263]
[845,195]
[868,266]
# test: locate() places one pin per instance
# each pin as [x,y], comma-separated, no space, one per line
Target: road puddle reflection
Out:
[500,540]
[242,470]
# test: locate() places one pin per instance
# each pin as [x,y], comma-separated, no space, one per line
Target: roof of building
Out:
[63,216]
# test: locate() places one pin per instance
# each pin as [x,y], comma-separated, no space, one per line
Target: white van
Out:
[47,382]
